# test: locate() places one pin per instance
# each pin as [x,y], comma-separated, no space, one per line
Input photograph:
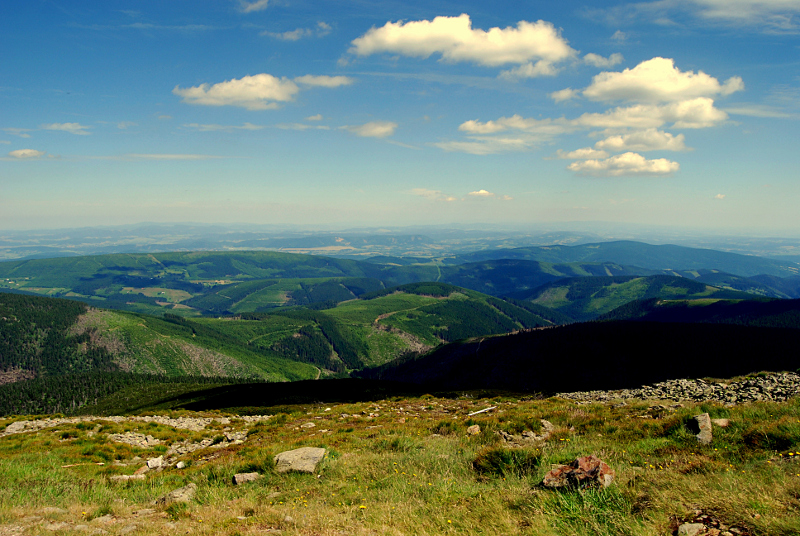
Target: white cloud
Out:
[259,92]
[564,94]
[5,142]
[642,141]
[719,196]
[317,117]
[587,153]
[24,154]
[250,7]
[165,117]
[483,145]
[530,70]
[619,36]
[625,164]
[694,113]
[658,80]
[301,126]
[222,128]
[72,128]
[373,129]
[600,61]
[21,132]
[777,14]
[324,81]
[433,195]
[481,193]
[122,125]
[538,44]
[321,30]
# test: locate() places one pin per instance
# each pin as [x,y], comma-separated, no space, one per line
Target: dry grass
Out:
[412,469]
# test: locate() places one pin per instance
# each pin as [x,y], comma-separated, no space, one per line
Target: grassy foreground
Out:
[408,466]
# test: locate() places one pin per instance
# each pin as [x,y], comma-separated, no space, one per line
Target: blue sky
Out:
[670,112]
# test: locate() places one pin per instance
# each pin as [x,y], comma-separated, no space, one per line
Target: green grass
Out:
[412,469]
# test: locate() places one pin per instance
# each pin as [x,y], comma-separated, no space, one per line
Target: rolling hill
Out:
[586,298]
[631,253]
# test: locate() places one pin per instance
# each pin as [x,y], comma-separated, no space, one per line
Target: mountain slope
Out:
[586,298]
[631,253]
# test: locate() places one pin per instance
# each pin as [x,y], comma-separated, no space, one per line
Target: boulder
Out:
[303,460]
[583,472]
[155,463]
[722,423]
[241,478]
[184,494]
[701,425]
[474,430]
[691,529]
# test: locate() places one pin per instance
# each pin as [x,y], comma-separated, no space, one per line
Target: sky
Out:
[680,113]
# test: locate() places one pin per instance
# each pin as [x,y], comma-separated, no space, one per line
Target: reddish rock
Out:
[583,472]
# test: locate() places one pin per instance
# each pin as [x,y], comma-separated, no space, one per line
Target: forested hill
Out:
[585,298]
[762,313]
[598,355]
[654,257]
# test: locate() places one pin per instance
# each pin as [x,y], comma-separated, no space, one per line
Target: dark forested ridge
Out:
[599,355]
[35,337]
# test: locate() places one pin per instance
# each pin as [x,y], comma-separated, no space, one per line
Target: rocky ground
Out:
[776,387]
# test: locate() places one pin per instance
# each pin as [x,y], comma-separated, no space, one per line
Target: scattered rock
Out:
[691,529]
[303,460]
[288,519]
[474,430]
[184,494]
[583,472]
[142,470]
[53,510]
[722,423]
[145,512]
[127,529]
[155,463]
[241,478]
[308,425]
[528,438]
[104,520]
[55,526]
[180,465]
[701,425]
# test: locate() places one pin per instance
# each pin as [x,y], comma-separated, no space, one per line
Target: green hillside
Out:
[588,297]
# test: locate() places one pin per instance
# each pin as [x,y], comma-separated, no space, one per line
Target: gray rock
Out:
[180,465]
[303,460]
[184,494]
[241,478]
[55,526]
[127,529]
[691,529]
[702,426]
[155,463]
[474,430]
[104,520]
[125,478]
[53,510]
[722,423]
[308,425]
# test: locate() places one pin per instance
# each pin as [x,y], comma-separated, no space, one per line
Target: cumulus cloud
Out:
[481,193]
[719,196]
[317,117]
[694,113]
[536,46]
[587,153]
[258,92]
[481,145]
[222,128]
[72,128]
[642,141]
[24,154]
[625,164]
[321,30]
[599,61]
[564,94]
[658,80]
[373,129]
[250,7]
[619,36]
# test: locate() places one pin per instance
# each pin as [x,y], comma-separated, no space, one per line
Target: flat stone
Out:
[55,526]
[184,494]
[104,520]
[127,529]
[155,463]
[303,460]
[308,425]
[241,478]
[722,423]
[691,529]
